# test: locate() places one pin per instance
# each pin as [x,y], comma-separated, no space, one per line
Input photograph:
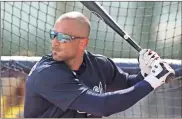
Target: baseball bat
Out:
[95,7]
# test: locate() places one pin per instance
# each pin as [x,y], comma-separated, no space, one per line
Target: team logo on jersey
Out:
[99,88]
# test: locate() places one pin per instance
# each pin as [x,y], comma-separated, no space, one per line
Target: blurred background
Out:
[156,25]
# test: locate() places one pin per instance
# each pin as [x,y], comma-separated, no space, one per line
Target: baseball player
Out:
[75,83]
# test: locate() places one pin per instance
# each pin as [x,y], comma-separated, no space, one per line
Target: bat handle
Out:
[138,48]
[170,78]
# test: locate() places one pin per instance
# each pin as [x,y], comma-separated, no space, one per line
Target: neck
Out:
[75,63]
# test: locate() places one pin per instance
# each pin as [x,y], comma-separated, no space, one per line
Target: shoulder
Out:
[101,59]
[98,57]
[47,68]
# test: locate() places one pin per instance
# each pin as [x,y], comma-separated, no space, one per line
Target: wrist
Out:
[143,74]
[153,81]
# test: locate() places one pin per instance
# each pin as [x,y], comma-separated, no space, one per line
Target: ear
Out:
[83,44]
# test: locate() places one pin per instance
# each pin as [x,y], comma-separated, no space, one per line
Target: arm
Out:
[134,79]
[102,104]
[117,79]
[63,91]
[146,57]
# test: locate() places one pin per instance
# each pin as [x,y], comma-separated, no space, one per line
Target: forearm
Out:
[134,79]
[111,102]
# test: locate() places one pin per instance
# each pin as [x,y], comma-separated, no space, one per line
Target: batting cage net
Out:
[25,38]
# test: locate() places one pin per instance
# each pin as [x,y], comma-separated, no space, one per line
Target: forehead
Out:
[71,27]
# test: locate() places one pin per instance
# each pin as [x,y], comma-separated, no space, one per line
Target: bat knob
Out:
[170,78]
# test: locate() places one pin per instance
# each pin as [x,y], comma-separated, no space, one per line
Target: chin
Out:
[56,58]
[59,58]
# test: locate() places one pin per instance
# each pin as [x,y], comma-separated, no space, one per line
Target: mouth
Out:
[55,49]
[54,52]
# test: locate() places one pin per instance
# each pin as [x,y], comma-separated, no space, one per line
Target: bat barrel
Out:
[170,78]
[95,7]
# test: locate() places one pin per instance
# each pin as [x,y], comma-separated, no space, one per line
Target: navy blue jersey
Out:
[99,88]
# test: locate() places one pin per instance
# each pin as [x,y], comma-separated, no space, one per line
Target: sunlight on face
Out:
[64,51]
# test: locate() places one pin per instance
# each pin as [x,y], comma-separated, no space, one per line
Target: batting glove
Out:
[146,57]
[159,72]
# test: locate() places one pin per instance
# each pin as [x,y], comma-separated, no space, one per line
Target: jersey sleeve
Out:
[134,79]
[58,87]
[118,79]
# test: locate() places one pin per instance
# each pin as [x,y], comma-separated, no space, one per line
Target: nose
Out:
[55,42]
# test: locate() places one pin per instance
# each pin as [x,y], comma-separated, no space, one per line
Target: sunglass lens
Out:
[60,37]
[52,34]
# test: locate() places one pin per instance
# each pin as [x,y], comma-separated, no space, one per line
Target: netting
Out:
[156,25]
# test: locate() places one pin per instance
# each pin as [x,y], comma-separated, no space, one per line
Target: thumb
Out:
[143,51]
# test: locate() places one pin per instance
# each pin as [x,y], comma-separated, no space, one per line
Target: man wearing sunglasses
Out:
[72,82]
